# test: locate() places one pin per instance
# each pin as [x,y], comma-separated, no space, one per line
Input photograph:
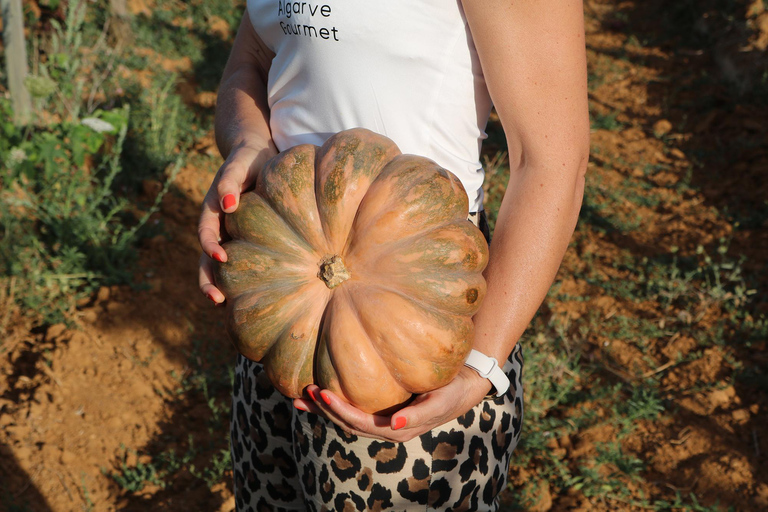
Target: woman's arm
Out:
[243,138]
[534,61]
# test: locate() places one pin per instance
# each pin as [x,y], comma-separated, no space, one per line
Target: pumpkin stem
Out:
[333,272]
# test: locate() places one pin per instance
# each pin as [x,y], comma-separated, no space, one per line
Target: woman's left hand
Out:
[426,412]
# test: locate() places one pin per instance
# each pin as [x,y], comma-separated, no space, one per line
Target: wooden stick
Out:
[16,60]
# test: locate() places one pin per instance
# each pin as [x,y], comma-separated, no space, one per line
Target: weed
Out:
[161,129]
[64,233]
[134,478]
[213,474]
[89,505]
[607,121]
[600,209]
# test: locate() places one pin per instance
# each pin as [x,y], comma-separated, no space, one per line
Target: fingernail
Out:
[301,407]
[399,423]
[210,296]
[218,257]
[325,397]
[312,394]
[229,201]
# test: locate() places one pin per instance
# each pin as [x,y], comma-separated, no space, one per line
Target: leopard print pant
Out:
[286,459]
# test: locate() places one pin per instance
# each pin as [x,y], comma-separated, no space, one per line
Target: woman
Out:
[423,73]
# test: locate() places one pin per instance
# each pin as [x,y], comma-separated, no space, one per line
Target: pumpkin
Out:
[354,267]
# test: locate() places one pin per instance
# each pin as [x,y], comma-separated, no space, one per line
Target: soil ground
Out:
[81,402]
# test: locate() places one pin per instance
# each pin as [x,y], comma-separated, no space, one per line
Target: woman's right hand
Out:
[236,175]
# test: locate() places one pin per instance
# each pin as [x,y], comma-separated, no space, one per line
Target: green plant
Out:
[607,121]
[58,83]
[134,478]
[63,231]
[89,505]
[162,128]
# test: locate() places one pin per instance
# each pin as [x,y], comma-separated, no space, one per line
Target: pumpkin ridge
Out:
[299,261]
[471,291]
[379,343]
[308,348]
[398,244]
[272,317]
[388,200]
[312,251]
[346,165]
[268,186]
[253,265]
[422,304]
[461,225]
[234,228]
[375,388]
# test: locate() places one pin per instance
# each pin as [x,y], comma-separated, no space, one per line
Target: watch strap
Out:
[488,368]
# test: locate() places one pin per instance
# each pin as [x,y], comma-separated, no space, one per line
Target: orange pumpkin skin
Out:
[354,267]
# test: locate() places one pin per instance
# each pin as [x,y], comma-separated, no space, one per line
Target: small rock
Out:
[206,99]
[90,316]
[219,27]
[661,128]
[740,416]
[229,505]
[721,397]
[756,7]
[55,331]
[103,294]
[67,458]
[761,24]
[677,153]
[761,496]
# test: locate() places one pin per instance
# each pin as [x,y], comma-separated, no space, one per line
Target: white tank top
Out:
[406,69]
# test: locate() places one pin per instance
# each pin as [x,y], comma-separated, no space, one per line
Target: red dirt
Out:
[73,399]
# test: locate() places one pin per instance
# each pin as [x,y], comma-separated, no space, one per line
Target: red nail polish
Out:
[312,394]
[399,423]
[210,296]
[325,397]
[218,257]
[301,407]
[229,201]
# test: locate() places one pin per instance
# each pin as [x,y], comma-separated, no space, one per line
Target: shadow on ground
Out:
[711,95]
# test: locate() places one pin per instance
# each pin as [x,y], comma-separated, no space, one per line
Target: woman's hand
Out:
[237,174]
[426,412]
[244,139]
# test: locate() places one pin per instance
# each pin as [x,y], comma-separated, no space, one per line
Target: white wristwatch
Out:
[488,368]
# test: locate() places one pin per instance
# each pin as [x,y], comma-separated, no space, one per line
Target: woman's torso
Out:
[404,68]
